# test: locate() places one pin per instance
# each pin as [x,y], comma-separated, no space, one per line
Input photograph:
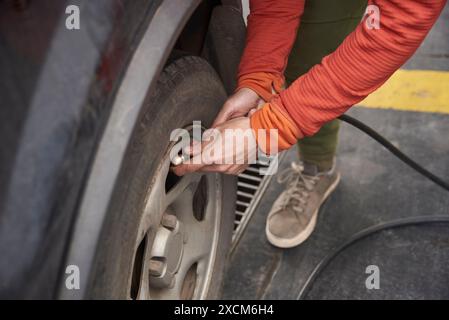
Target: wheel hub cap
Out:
[167,251]
[177,236]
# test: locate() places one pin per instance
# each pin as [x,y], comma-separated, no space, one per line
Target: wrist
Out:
[269,123]
[250,93]
[264,84]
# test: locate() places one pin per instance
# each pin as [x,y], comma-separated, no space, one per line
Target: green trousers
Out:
[324,25]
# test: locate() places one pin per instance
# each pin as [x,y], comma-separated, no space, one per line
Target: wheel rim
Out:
[177,236]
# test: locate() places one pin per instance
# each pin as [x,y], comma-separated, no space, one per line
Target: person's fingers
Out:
[224,168]
[238,169]
[194,149]
[197,147]
[221,168]
[251,112]
[193,166]
[200,157]
[215,152]
[223,116]
[184,169]
[209,134]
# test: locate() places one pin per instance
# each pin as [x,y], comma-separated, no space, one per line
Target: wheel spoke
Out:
[144,289]
[175,292]
[198,245]
[188,181]
[199,238]
[180,215]
[155,204]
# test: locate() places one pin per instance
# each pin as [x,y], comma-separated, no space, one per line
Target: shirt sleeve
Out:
[360,65]
[271,32]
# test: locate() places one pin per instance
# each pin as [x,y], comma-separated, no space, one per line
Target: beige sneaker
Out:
[294,213]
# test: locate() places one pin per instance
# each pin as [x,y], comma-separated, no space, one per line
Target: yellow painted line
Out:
[412,90]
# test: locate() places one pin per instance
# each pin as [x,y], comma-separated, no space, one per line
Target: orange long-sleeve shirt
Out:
[360,65]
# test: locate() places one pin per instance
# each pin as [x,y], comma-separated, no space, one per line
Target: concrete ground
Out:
[376,187]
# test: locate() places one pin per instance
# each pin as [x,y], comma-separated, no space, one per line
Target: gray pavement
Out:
[376,187]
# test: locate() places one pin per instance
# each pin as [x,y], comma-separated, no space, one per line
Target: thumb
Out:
[222,117]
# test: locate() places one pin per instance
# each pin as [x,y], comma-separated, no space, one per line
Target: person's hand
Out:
[229,148]
[244,102]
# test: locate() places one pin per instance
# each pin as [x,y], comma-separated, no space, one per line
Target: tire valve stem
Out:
[178,160]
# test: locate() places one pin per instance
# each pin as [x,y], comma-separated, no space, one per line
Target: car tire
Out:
[188,90]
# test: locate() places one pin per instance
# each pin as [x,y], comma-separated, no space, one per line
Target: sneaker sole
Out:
[300,238]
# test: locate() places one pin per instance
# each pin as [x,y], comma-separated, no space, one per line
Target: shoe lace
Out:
[298,188]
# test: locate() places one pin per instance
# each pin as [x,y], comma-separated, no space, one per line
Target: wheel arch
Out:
[152,51]
[58,131]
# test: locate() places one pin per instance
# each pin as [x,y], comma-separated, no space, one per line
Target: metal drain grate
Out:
[250,188]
